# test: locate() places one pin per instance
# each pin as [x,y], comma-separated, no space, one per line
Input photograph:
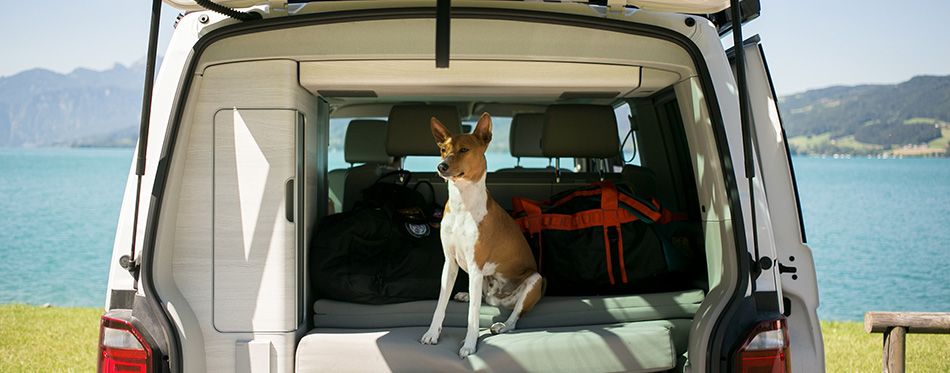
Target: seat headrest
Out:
[365,142]
[409,132]
[524,139]
[580,131]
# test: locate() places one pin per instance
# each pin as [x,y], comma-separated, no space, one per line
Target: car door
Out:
[792,267]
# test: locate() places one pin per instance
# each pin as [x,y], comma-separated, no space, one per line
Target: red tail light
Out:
[765,350]
[121,348]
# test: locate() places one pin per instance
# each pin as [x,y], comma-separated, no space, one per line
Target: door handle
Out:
[289,200]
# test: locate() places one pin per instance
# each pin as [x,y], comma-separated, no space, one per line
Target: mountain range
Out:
[102,108]
[869,119]
[43,108]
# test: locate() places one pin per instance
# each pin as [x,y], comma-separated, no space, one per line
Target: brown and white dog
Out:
[480,237]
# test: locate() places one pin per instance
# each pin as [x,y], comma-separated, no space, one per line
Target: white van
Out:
[244,153]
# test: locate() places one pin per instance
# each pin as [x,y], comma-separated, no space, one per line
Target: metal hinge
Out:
[277,6]
[616,6]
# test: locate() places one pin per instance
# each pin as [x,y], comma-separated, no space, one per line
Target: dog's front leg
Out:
[449,271]
[475,284]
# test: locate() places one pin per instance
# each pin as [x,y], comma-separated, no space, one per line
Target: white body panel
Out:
[780,199]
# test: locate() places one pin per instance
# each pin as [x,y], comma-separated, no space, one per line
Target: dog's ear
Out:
[483,128]
[438,130]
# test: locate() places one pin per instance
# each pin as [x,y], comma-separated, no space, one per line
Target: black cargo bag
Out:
[603,239]
[382,251]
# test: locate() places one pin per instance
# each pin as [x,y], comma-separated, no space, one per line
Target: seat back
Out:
[524,140]
[365,143]
[409,134]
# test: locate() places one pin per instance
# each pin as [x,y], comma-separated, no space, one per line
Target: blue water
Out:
[58,213]
[880,233]
[879,228]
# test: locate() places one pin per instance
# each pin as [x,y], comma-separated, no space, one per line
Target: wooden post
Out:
[896,325]
[894,349]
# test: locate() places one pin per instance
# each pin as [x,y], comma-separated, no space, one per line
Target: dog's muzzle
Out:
[443,168]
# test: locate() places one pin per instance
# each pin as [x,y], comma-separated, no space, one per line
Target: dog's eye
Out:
[463,150]
[442,149]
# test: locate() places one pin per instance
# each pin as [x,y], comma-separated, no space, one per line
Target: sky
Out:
[808,44]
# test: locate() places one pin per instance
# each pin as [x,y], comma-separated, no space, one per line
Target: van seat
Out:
[644,332]
[570,130]
[551,311]
[648,346]
[589,131]
[580,131]
[524,140]
[365,142]
[409,134]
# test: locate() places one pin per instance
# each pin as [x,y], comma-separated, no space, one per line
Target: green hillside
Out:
[909,118]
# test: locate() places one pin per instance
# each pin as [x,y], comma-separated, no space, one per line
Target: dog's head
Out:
[463,155]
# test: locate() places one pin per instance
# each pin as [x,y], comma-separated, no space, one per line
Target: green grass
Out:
[35,339]
[919,120]
[848,348]
[824,144]
[940,142]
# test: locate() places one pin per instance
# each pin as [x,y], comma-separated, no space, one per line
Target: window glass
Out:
[335,158]
[628,139]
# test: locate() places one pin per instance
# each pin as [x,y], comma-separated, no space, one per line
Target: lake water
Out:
[879,229]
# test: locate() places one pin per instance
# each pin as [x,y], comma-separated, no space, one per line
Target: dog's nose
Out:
[443,167]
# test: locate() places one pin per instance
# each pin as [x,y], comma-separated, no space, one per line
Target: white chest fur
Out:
[459,229]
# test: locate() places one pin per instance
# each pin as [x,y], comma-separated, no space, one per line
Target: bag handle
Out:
[405,175]
[532,210]
[431,189]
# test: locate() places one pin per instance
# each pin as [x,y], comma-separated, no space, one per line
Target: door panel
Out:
[793,264]
[255,256]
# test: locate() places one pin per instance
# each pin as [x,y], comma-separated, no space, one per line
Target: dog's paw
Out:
[466,350]
[430,338]
[499,327]
[461,297]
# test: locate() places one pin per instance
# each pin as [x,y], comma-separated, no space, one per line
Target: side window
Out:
[626,127]
[335,158]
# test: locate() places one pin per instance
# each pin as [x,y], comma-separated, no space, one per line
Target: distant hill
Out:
[43,108]
[869,119]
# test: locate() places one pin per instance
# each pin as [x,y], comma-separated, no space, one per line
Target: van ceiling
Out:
[480,78]
[361,88]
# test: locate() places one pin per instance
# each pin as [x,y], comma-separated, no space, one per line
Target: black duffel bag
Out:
[604,239]
[386,250]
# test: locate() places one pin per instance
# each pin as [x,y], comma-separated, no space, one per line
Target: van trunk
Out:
[248,174]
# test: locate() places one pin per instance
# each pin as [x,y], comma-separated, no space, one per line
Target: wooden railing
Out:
[896,325]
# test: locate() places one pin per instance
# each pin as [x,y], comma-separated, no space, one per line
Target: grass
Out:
[940,142]
[824,144]
[848,348]
[35,339]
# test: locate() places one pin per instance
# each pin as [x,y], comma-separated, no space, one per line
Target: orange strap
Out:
[610,215]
